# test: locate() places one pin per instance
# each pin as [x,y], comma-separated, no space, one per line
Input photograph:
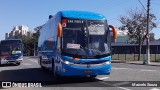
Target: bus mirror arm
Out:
[114,32]
[59,30]
[59,50]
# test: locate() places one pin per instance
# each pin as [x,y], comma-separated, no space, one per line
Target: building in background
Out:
[18,30]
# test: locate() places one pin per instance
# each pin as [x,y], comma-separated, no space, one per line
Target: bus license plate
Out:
[88,71]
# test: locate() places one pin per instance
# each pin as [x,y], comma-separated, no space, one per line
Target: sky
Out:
[33,13]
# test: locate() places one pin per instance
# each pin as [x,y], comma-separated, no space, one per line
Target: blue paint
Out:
[91,52]
[48,34]
[82,15]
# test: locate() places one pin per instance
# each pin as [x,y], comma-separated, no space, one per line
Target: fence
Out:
[134,57]
[130,52]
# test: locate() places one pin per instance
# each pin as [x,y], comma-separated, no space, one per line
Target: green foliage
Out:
[30,43]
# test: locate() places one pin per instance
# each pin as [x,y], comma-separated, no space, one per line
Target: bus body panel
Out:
[49,54]
[96,67]
[47,41]
[79,71]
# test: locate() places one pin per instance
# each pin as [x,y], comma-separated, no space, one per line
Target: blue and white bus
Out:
[76,43]
[11,51]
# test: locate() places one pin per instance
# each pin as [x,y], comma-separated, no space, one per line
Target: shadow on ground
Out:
[37,75]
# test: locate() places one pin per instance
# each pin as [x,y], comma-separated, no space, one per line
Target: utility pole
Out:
[147,36]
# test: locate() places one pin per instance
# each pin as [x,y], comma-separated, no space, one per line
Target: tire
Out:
[40,59]
[43,68]
[40,63]
[0,62]
[55,75]
[93,76]
[52,66]
[18,63]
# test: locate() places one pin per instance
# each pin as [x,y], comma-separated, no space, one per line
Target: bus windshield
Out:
[11,49]
[84,38]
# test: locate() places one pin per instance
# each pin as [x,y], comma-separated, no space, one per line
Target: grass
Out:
[134,57]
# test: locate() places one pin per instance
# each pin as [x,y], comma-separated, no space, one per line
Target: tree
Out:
[30,43]
[136,24]
[34,40]
[26,43]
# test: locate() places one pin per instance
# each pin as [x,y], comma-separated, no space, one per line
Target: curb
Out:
[118,61]
[136,63]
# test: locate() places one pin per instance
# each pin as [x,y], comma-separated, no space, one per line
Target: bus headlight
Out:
[107,62]
[67,62]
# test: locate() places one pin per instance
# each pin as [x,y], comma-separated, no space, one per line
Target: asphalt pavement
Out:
[124,76]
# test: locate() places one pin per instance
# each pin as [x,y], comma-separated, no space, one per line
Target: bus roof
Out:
[82,15]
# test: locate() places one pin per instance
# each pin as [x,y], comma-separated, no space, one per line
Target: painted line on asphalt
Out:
[102,78]
[155,89]
[148,70]
[123,88]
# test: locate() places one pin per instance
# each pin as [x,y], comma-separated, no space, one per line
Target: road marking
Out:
[102,78]
[115,86]
[123,88]
[155,89]
[148,70]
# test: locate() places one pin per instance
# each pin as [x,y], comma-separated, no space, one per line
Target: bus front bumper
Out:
[84,70]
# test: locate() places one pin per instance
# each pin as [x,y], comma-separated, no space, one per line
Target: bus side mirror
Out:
[59,30]
[114,32]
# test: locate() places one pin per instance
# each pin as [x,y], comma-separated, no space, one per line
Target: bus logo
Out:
[6,84]
[91,52]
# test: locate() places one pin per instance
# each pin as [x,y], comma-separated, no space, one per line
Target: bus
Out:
[76,43]
[11,51]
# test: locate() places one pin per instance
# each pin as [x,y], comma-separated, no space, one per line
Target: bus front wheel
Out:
[0,62]
[92,76]
[55,75]
[40,63]
[18,63]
